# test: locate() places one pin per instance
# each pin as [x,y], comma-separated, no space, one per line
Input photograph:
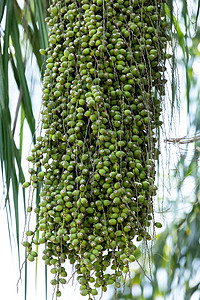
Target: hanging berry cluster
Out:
[103,87]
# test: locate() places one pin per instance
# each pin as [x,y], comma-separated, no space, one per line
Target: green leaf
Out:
[197,15]
[42,25]
[32,34]
[26,100]
[2,8]
[9,12]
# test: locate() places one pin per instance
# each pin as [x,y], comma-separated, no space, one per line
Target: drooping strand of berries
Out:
[102,92]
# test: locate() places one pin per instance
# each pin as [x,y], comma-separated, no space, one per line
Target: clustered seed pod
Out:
[103,87]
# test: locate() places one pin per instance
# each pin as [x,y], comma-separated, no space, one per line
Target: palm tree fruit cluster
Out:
[102,92]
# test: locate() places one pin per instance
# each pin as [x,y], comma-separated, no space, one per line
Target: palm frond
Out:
[16,46]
